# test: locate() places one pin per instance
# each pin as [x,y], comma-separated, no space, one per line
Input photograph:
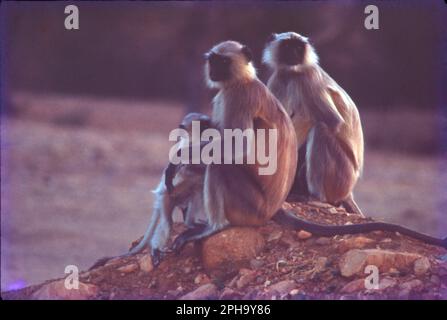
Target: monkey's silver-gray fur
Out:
[180,187]
[324,117]
[186,195]
[236,194]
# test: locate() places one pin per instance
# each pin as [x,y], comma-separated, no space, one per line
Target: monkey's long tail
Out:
[287,218]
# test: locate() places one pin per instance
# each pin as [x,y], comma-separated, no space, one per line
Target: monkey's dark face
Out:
[219,66]
[291,52]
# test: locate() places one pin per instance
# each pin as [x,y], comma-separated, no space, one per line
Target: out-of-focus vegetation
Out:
[155,49]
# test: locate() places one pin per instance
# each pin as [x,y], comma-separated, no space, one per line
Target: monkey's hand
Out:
[170,172]
[157,256]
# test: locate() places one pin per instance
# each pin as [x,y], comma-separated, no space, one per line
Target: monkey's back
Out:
[351,130]
[286,89]
[296,92]
[251,198]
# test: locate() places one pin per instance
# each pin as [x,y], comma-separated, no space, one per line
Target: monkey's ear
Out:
[247,53]
[271,37]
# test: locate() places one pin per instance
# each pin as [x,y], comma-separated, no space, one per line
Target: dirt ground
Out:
[287,267]
[76,178]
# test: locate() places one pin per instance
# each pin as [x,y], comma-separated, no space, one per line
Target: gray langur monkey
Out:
[329,135]
[236,194]
[326,120]
[180,187]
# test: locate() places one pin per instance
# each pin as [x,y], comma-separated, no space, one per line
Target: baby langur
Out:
[180,186]
[326,120]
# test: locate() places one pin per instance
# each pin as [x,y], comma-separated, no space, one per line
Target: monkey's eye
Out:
[217,59]
[225,60]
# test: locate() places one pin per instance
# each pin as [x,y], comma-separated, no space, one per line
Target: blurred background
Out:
[86,113]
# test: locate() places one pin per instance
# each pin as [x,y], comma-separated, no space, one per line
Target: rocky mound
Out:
[269,262]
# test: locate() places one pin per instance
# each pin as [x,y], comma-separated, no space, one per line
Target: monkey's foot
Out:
[190,234]
[352,207]
[157,255]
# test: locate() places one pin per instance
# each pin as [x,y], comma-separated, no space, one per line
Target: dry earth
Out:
[269,262]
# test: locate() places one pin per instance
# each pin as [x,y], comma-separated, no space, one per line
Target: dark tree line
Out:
[154,50]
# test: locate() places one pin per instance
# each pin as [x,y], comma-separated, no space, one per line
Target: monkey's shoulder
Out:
[250,96]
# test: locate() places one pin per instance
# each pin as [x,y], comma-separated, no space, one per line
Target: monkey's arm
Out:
[170,172]
[327,109]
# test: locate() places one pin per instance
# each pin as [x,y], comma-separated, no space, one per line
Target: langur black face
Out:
[291,51]
[219,66]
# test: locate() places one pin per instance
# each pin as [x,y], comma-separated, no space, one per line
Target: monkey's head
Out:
[205,121]
[228,62]
[289,51]
[186,124]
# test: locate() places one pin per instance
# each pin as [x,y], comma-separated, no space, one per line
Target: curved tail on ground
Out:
[287,218]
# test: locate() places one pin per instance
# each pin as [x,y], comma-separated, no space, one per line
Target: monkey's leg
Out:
[186,193]
[351,206]
[299,190]
[197,232]
[331,174]
[169,174]
[213,207]
[194,213]
[162,206]
[162,232]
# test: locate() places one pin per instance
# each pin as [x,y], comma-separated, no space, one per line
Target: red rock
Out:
[145,263]
[303,235]
[207,291]
[56,290]
[355,260]
[246,277]
[386,283]
[353,286]
[283,287]
[320,204]
[355,243]
[229,294]
[230,247]
[421,266]
[128,268]
[201,278]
